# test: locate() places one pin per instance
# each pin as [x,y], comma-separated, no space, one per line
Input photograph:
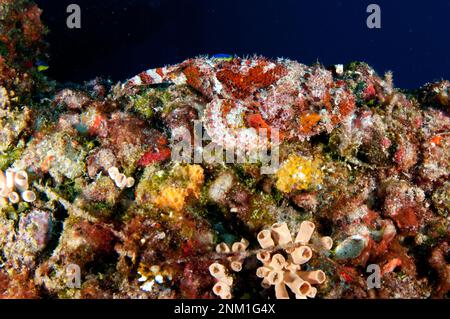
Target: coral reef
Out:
[91,182]
[281,272]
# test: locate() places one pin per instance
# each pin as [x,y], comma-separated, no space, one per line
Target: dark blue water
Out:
[121,38]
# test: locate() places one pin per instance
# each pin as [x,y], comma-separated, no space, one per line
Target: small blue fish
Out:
[222,57]
[42,66]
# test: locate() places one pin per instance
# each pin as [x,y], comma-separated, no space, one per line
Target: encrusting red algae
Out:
[366,164]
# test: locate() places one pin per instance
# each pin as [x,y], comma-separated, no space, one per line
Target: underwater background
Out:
[121,38]
[221,176]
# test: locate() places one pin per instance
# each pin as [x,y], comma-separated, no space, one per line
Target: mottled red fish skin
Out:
[243,84]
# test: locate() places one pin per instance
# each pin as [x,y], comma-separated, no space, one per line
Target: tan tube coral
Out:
[238,247]
[4,192]
[304,288]
[221,289]
[312,292]
[281,292]
[296,284]
[13,197]
[265,239]
[305,232]
[277,262]
[282,273]
[222,248]
[281,234]
[113,172]
[228,280]
[28,196]
[290,266]
[226,295]
[217,270]
[263,256]
[21,181]
[245,243]
[2,180]
[263,272]
[326,242]
[275,277]
[236,265]
[130,182]
[323,243]
[265,283]
[301,255]
[121,180]
[9,174]
[313,277]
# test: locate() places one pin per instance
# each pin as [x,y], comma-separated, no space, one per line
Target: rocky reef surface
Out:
[364,164]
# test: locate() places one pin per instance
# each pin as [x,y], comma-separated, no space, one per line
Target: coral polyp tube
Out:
[21,180]
[296,284]
[121,180]
[281,234]
[313,277]
[2,181]
[222,248]
[281,291]
[238,247]
[236,266]
[9,178]
[217,270]
[113,172]
[263,256]
[301,255]
[221,289]
[263,272]
[275,277]
[277,262]
[245,243]
[130,182]
[28,196]
[14,198]
[326,242]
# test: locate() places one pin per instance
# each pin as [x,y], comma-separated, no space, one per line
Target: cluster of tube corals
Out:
[282,272]
[121,180]
[222,288]
[12,183]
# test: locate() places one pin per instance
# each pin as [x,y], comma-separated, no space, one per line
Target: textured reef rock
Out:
[365,163]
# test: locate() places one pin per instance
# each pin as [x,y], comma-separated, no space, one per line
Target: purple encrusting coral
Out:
[366,163]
